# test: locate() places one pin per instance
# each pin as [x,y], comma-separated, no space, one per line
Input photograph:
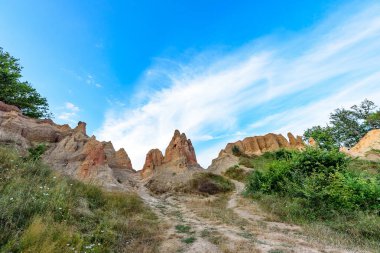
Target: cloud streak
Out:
[68,113]
[282,86]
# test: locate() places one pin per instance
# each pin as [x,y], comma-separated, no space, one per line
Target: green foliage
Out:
[347,126]
[236,173]
[324,136]
[318,186]
[44,212]
[18,93]
[281,154]
[36,152]
[322,179]
[374,120]
[182,229]
[189,240]
[236,151]
[210,183]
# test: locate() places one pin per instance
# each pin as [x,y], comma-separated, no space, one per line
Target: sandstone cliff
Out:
[70,151]
[256,145]
[367,148]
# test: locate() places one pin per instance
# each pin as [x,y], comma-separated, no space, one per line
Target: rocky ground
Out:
[225,223]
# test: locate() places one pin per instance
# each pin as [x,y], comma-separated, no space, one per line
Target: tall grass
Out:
[41,211]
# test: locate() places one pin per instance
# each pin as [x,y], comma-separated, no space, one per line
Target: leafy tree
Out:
[323,136]
[20,93]
[373,120]
[347,126]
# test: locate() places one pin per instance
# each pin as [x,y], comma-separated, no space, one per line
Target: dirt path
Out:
[228,223]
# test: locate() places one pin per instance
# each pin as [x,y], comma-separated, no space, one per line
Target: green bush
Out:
[236,151]
[236,173]
[321,186]
[210,183]
[281,154]
[322,179]
[36,152]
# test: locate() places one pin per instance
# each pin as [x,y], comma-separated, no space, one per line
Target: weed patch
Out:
[189,240]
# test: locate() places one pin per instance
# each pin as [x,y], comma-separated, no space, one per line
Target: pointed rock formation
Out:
[295,142]
[180,151]
[153,159]
[122,160]
[179,155]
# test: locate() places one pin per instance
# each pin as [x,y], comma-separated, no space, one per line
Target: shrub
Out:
[236,151]
[322,179]
[210,183]
[281,154]
[322,187]
[236,173]
[36,152]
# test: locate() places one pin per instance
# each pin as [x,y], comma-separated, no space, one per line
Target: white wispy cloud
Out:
[71,107]
[68,113]
[90,80]
[281,86]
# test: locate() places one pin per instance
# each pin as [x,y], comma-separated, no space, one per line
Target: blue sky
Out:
[217,70]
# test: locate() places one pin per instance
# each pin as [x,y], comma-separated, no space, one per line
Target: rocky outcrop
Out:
[24,132]
[367,148]
[70,151]
[8,108]
[224,161]
[122,160]
[295,142]
[180,151]
[258,145]
[153,159]
[253,146]
[179,156]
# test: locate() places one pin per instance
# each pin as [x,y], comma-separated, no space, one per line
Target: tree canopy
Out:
[13,91]
[347,126]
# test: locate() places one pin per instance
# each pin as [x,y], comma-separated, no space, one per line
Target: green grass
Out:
[236,173]
[189,240]
[41,211]
[183,229]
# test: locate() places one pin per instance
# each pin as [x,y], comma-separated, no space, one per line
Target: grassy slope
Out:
[357,229]
[41,211]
